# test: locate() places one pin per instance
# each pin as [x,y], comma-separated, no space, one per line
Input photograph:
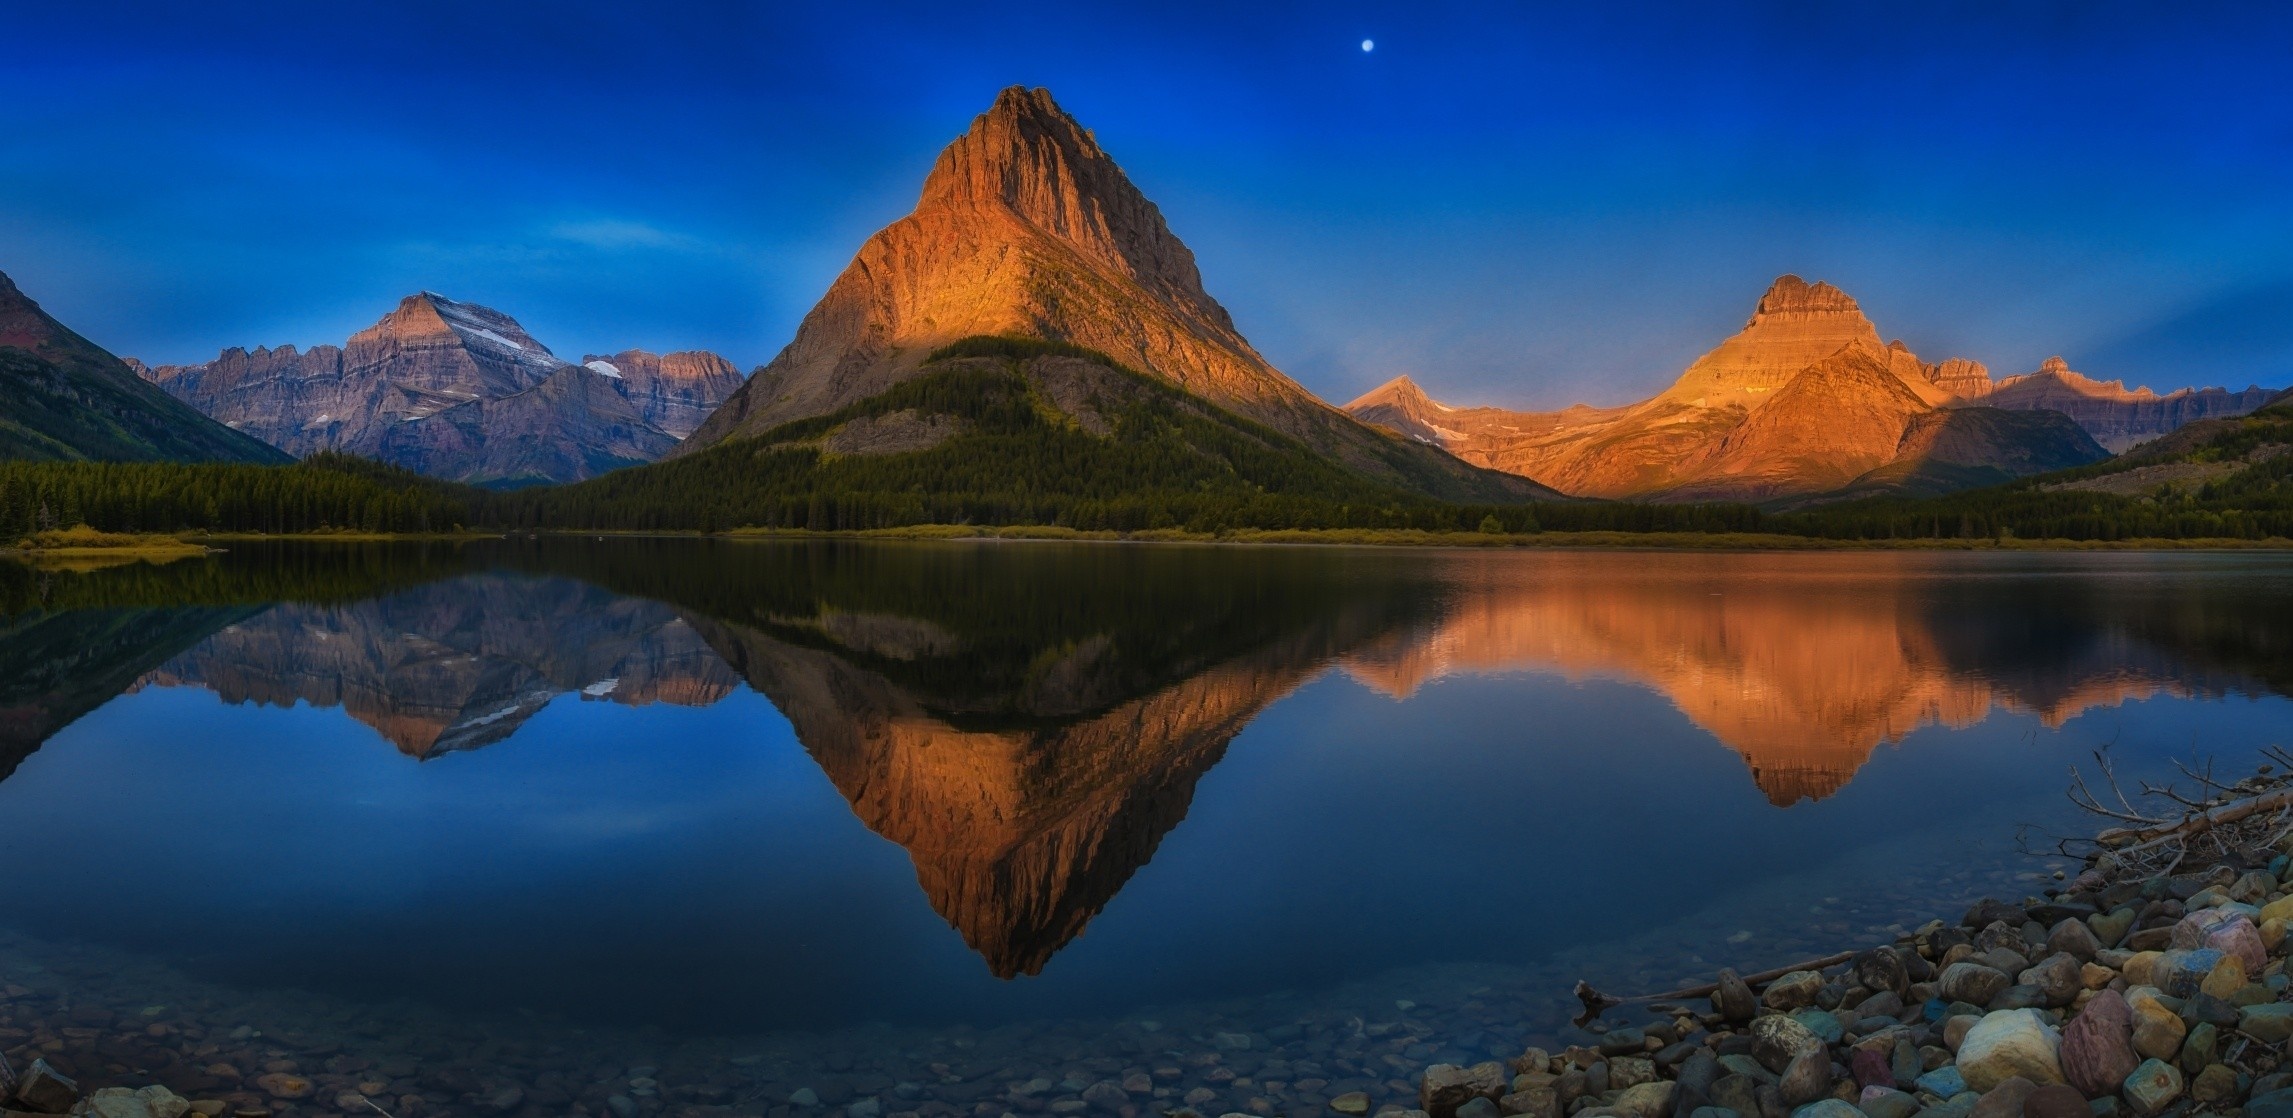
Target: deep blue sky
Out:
[1528,204]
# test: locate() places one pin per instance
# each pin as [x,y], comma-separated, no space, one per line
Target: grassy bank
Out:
[85,548]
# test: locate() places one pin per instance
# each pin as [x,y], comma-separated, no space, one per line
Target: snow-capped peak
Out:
[604,369]
[493,331]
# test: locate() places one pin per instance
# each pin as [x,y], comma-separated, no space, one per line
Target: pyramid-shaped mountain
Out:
[63,397]
[458,391]
[1027,228]
[1804,400]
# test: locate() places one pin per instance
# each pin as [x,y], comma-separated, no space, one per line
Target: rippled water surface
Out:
[975,828]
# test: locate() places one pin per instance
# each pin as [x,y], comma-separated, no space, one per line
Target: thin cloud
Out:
[618,235]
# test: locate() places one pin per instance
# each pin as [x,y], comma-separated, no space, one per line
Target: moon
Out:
[1368,45]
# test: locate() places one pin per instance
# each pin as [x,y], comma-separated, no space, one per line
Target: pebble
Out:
[1776,1039]
[2097,1052]
[1806,1079]
[2009,1043]
[1944,1082]
[2004,1100]
[2056,1101]
[2153,1087]
[1886,1102]
[1793,991]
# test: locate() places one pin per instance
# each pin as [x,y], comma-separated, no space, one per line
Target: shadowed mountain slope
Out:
[995,431]
[63,397]
[1027,228]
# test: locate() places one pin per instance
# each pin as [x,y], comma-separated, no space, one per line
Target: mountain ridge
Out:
[1804,400]
[459,391]
[1026,228]
[67,398]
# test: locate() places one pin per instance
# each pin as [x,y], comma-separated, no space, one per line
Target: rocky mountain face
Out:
[673,392]
[575,424]
[1027,227]
[457,391]
[2119,418]
[1804,400]
[64,397]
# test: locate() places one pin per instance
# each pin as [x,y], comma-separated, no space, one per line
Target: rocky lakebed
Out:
[2114,993]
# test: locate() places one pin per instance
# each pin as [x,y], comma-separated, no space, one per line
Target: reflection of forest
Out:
[1028,722]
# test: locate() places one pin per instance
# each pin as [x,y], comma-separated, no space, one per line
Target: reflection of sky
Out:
[693,864]
[1524,204]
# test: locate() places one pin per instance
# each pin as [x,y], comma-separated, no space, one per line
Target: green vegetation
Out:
[1165,460]
[321,493]
[999,435]
[2247,495]
[83,538]
[73,402]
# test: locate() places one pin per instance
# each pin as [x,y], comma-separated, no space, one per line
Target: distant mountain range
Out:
[63,397]
[1806,401]
[1033,340]
[461,392]
[2118,418]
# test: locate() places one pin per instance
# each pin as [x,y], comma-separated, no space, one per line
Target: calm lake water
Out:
[635,826]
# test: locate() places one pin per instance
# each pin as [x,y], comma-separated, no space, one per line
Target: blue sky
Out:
[1528,204]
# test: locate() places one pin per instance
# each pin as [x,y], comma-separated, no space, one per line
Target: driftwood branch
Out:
[2085,798]
[2205,820]
[1596,1003]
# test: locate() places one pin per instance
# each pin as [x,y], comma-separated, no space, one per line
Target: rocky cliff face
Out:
[1825,425]
[673,392]
[1027,227]
[572,426]
[2119,418]
[458,391]
[1805,399]
[64,397]
[429,354]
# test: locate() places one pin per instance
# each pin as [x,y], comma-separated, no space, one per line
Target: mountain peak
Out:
[1401,390]
[482,330]
[1791,295]
[1026,158]
[2054,366]
[1796,324]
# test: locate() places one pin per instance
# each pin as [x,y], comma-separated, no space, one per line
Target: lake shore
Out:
[1376,537]
[2154,983]
[194,543]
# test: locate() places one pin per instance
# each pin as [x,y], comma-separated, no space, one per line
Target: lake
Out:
[634,826]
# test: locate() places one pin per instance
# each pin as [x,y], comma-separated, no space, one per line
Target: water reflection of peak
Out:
[458,665]
[1030,759]
[1029,721]
[1806,664]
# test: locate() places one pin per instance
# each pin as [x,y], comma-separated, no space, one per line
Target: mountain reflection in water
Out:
[1029,721]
